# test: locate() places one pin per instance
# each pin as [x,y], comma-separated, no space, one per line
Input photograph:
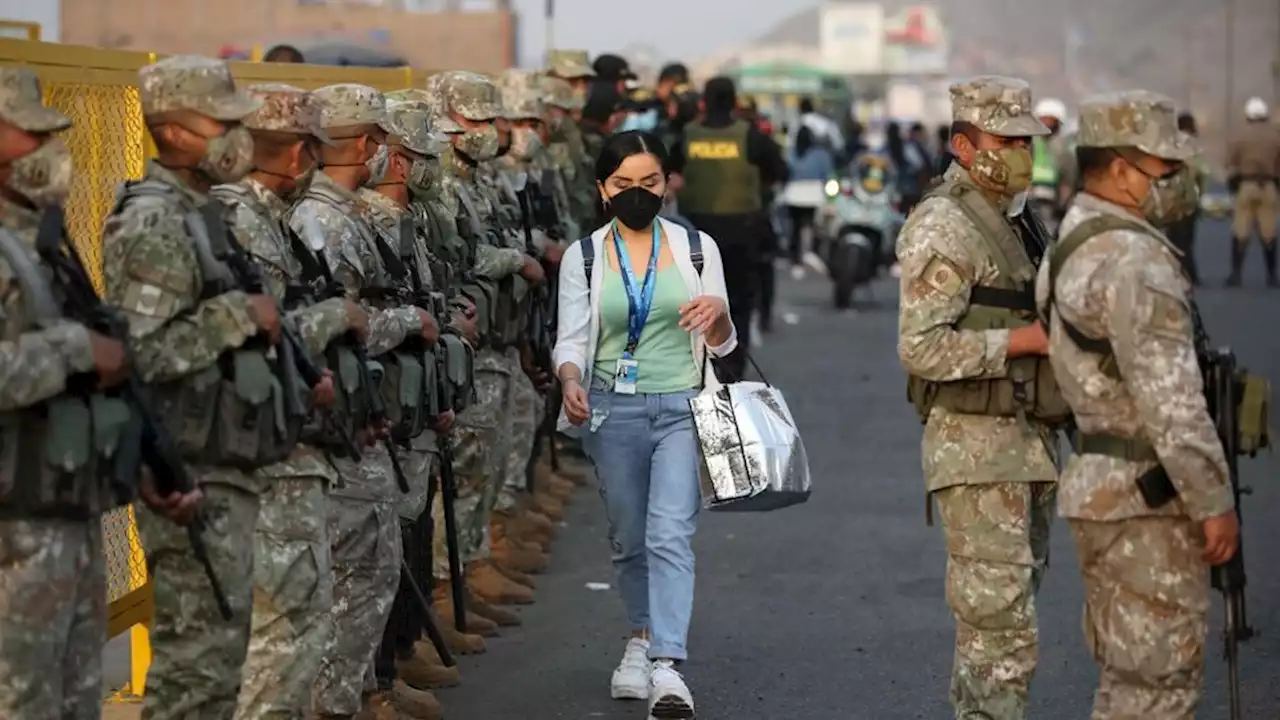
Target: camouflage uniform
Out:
[52,570]
[363,526]
[480,445]
[568,153]
[1146,588]
[152,274]
[992,477]
[293,572]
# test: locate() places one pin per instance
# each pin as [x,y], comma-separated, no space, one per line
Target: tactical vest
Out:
[233,412]
[1044,170]
[1029,388]
[455,356]
[719,178]
[1252,415]
[515,329]
[353,380]
[410,390]
[56,456]
[485,293]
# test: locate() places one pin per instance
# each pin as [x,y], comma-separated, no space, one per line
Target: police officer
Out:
[973,350]
[1121,329]
[291,542]
[365,531]
[52,568]
[1253,169]
[724,164]
[182,322]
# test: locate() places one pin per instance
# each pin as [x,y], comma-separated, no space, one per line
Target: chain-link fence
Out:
[109,144]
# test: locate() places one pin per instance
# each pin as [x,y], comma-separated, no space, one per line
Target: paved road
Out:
[834,610]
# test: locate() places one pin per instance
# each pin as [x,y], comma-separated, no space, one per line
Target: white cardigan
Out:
[578,328]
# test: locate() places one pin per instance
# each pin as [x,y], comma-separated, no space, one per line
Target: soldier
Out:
[574,67]
[1121,324]
[291,542]
[364,529]
[184,320]
[52,568]
[471,102]
[1253,169]
[974,353]
[568,151]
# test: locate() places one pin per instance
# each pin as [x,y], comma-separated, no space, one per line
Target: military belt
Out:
[1131,449]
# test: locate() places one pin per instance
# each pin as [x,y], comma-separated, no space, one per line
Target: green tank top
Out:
[664,354]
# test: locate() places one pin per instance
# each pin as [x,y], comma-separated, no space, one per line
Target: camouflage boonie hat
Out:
[471,95]
[559,93]
[22,102]
[440,122]
[996,105]
[1134,118]
[570,64]
[412,122]
[285,108]
[521,95]
[192,82]
[348,104]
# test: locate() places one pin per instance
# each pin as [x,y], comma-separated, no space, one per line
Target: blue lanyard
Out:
[639,297]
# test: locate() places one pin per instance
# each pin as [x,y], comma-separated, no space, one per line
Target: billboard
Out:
[851,38]
[915,42]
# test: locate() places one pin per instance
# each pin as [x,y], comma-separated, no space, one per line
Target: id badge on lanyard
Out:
[639,302]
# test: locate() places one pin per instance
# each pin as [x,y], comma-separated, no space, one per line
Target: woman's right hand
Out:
[575,402]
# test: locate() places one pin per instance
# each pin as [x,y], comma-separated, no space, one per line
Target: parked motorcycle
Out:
[858,225]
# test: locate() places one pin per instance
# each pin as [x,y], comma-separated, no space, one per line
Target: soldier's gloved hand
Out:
[266,314]
[1233,184]
[553,252]
[323,395]
[468,307]
[443,422]
[357,319]
[466,327]
[177,507]
[110,361]
[430,328]
[532,271]
[1221,537]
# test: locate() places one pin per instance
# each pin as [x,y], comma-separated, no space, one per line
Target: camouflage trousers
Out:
[53,588]
[478,447]
[196,655]
[997,550]
[364,534]
[1146,602]
[524,413]
[419,469]
[292,599]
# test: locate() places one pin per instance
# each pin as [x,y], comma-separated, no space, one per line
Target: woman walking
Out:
[812,165]
[642,305]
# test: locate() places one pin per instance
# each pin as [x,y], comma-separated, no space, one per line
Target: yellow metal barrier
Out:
[16,28]
[97,89]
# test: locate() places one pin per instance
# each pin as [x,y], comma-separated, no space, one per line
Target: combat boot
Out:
[525,558]
[578,473]
[526,526]
[514,576]
[549,482]
[489,585]
[547,505]
[377,706]
[414,703]
[1237,262]
[1269,256]
[476,624]
[425,671]
[501,616]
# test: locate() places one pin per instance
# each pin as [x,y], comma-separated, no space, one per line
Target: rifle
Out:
[444,441]
[541,328]
[147,440]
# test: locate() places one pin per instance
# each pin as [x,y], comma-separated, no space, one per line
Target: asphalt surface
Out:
[834,610]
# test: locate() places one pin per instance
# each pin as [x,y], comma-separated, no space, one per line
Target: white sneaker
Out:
[815,263]
[631,679]
[797,272]
[669,697]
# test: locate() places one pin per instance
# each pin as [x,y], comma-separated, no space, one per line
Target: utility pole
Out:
[1229,86]
[549,21]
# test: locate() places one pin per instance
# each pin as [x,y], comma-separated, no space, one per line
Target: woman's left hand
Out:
[702,313]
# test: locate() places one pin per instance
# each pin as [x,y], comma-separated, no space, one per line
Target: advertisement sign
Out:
[851,38]
[915,42]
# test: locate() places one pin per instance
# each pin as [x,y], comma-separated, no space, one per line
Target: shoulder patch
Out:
[1170,316]
[941,275]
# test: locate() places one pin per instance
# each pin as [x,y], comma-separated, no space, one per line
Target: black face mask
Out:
[635,207]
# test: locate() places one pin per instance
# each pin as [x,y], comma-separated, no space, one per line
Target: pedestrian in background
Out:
[811,165]
[632,351]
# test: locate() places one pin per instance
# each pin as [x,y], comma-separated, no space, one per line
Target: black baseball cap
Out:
[612,67]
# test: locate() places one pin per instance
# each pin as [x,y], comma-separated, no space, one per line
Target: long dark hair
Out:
[897,149]
[804,141]
[618,148]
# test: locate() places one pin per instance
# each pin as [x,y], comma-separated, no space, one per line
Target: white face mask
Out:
[1017,204]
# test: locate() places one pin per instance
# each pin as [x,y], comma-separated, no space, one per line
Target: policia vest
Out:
[233,413]
[56,457]
[1252,414]
[719,178]
[1028,390]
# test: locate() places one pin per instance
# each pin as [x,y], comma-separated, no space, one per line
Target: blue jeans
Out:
[646,457]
